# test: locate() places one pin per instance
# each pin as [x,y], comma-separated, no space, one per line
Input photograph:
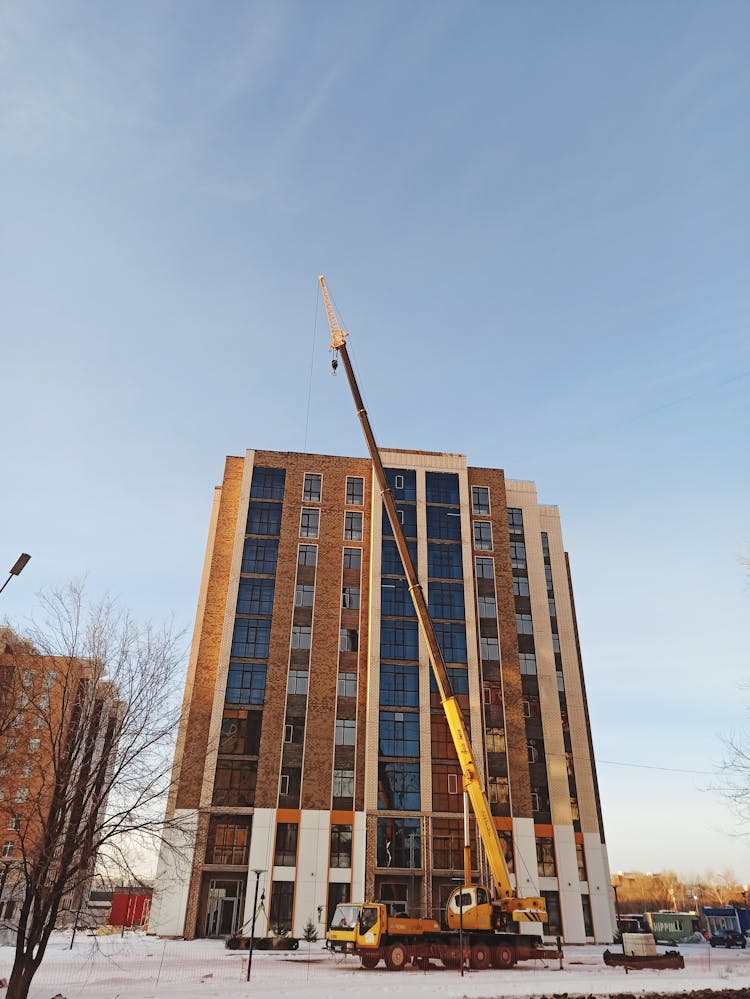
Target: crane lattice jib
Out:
[453,713]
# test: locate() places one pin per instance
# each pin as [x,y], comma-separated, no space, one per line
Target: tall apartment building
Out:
[313,747]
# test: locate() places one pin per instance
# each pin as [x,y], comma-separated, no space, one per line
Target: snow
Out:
[142,967]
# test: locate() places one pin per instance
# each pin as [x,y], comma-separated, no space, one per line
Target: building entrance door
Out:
[224,907]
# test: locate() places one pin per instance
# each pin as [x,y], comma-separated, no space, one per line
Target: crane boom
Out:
[451,707]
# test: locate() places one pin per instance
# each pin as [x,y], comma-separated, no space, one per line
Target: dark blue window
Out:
[260,556]
[407,516]
[399,843]
[255,596]
[403,483]
[398,640]
[246,683]
[459,679]
[264,518]
[398,786]
[446,600]
[267,483]
[250,638]
[452,641]
[399,734]
[395,598]
[392,560]
[444,561]
[442,487]
[443,524]
[399,685]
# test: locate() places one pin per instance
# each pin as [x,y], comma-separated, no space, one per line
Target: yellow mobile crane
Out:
[486,921]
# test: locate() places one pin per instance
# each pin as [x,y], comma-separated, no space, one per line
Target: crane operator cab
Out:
[470,908]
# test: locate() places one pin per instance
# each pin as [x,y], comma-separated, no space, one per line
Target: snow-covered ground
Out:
[140,967]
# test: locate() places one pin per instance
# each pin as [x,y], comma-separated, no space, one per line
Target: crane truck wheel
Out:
[370,961]
[481,956]
[503,956]
[396,957]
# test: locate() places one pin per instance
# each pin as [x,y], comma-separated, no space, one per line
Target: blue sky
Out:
[534,220]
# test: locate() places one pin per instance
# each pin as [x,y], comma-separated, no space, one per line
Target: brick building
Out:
[57,716]
[313,747]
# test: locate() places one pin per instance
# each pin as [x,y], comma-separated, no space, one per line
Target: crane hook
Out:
[334,364]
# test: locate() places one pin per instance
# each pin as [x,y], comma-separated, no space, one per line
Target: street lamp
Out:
[258,871]
[16,569]
[617,883]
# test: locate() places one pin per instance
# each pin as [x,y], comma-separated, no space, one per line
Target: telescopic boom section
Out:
[453,713]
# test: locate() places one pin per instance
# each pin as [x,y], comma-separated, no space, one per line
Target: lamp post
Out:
[16,569]
[258,871]
[616,883]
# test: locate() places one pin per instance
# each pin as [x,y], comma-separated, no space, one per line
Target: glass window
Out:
[489,648]
[285,853]
[255,596]
[402,483]
[343,783]
[495,740]
[452,641]
[555,642]
[264,518]
[345,732]
[518,554]
[407,517]
[282,906]
[545,857]
[355,490]
[498,790]
[398,786]
[399,685]
[395,599]
[487,607]
[545,544]
[483,535]
[259,556]
[298,679]
[267,483]
[346,685]
[350,597]
[442,487]
[515,521]
[443,524]
[352,558]
[311,488]
[304,595]
[399,843]
[444,561]
[309,522]
[348,640]
[392,560]
[398,640]
[307,555]
[34,745]
[352,526]
[527,661]
[485,568]
[341,846]
[399,734]
[552,607]
[581,858]
[301,636]
[548,579]
[521,586]
[250,638]
[446,600]
[246,683]
[228,841]
[459,679]
[524,624]
[235,782]
[21,794]
[480,501]
[240,733]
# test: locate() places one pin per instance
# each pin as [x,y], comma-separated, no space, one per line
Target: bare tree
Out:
[90,711]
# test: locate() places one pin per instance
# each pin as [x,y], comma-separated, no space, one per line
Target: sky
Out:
[534,220]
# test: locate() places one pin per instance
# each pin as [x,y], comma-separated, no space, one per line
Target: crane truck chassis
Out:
[372,934]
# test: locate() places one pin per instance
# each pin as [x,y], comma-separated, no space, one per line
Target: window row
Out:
[312,489]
